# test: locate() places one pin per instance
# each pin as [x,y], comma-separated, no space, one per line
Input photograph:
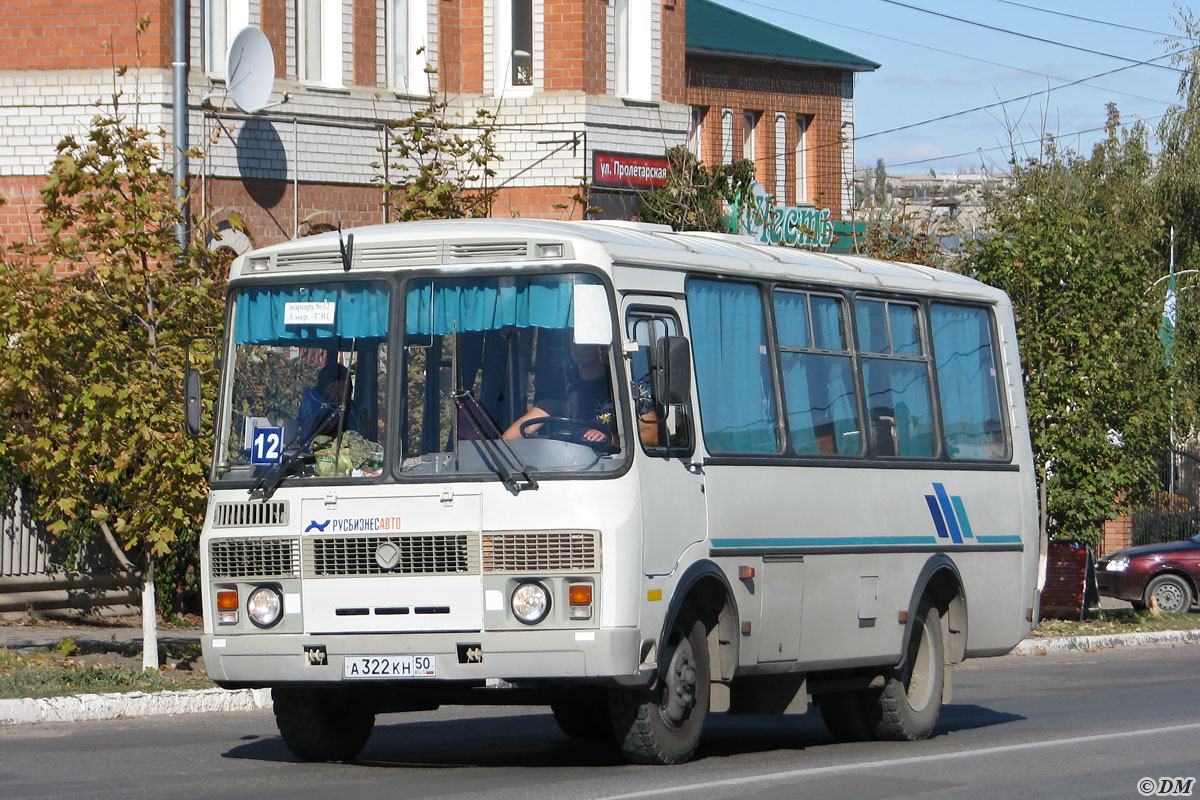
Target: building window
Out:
[726,135]
[802,123]
[780,158]
[407,37]
[749,123]
[632,50]
[512,31]
[695,138]
[222,21]
[319,41]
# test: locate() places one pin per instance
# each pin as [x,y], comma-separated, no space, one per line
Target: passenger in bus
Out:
[319,404]
[586,396]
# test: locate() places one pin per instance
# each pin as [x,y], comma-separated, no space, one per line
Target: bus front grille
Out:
[254,557]
[430,554]
[541,551]
[250,514]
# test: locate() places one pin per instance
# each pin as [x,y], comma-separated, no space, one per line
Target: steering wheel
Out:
[564,429]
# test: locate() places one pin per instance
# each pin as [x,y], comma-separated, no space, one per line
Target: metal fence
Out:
[1172,512]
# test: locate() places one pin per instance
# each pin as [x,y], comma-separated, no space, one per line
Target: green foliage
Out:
[695,196]
[440,168]
[1074,245]
[97,321]
[901,236]
[51,673]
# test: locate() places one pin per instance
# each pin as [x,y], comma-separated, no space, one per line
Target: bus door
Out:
[674,512]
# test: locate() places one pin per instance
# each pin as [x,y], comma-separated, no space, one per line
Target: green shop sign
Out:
[794,226]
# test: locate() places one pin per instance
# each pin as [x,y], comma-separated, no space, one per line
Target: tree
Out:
[695,196]
[440,168]
[880,183]
[90,382]
[1074,245]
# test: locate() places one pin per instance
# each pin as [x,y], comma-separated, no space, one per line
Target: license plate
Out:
[375,667]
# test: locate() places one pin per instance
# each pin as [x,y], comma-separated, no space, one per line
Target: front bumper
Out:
[1127,585]
[262,660]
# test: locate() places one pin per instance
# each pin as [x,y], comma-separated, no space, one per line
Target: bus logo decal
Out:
[949,515]
[317,526]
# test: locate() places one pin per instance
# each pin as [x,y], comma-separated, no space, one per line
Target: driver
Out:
[587,396]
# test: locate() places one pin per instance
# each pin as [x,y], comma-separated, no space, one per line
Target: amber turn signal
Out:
[227,600]
[580,594]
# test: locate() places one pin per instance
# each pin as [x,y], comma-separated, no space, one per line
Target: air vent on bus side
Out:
[254,557]
[250,514]
[323,259]
[541,551]
[490,250]
[399,255]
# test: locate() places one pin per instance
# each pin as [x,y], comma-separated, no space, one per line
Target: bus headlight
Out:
[530,603]
[264,606]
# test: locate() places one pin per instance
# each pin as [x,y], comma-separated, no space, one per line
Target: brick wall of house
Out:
[86,34]
[717,84]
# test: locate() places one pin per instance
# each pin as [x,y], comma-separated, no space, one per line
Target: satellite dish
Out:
[250,69]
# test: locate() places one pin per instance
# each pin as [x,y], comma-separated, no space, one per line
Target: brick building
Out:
[580,88]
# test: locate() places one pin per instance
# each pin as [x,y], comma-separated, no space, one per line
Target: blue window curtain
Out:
[828,331]
[791,319]
[361,312]
[733,371]
[906,336]
[487,304]
[967,387]
[899,407]
[872,326]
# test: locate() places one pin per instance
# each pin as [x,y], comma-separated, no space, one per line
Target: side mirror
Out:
[191,402]
[672,370]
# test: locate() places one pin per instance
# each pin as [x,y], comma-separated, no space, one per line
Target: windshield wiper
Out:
[498,449]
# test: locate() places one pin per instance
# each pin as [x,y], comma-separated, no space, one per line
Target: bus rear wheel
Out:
[662,724]
[321,724]
[907,707]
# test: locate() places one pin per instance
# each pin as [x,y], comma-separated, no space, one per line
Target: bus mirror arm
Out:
[192,395]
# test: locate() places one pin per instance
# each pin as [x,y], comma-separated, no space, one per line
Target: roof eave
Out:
[773,59]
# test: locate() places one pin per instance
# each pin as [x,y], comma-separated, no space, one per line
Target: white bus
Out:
[636,475]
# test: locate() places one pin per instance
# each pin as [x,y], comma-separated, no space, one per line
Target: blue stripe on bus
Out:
[939,521]
[823,541]
[998,539]
[948,510]
[961,511]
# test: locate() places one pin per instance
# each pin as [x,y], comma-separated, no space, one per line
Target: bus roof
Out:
[483,242]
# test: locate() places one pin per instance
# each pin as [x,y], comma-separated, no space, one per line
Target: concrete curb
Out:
[1038,646]
[83,707]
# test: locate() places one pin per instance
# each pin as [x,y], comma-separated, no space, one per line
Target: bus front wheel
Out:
[321,724]
[907,707]
[662,724]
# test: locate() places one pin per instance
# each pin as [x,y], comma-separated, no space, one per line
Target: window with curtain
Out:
[522,42]
[406,35]
[749,124]
[780,159]
[968,387]
[726,135]
[319,41]
[802,159]
[733,370]
[817,373]
[632,49]
[695,140]
[222,21]
[895,373]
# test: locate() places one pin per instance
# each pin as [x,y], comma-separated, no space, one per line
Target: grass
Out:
[65,669]
[1117,621]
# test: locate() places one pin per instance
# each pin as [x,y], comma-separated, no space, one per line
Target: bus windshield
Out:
[502,376]
[508,373]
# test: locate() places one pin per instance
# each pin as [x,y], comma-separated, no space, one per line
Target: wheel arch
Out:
[705,588]
[940,582]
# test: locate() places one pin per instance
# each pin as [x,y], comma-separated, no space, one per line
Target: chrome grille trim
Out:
[419,554]
[254,557]
[541,551]
[250,514]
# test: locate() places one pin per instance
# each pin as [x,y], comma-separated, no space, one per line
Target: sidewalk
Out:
[78,708]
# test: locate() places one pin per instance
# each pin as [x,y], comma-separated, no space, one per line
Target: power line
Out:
[1085,19]
[1017,33]
[949,52]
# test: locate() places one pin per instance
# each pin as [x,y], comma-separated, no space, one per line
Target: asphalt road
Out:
[1065,725]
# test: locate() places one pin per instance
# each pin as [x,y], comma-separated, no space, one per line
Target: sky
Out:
[933,66]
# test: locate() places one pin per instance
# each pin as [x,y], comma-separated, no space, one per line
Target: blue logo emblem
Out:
[317,526]
[949,515]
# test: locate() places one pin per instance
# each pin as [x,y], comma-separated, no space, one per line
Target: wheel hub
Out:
[679,693]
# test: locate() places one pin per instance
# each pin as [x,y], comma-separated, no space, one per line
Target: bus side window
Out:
[660,427]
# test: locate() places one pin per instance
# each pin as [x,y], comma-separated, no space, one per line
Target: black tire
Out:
[1137,605]
[582,713]
[907,707]
[321,724]
[1171,592]
[845,715]
[662,724]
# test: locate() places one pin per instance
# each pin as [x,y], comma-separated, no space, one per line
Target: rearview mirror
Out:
[672,370]
[191,401]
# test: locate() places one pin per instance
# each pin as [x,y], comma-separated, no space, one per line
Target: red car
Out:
[1169,573]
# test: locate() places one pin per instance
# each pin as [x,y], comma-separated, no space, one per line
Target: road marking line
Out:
[810,771]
